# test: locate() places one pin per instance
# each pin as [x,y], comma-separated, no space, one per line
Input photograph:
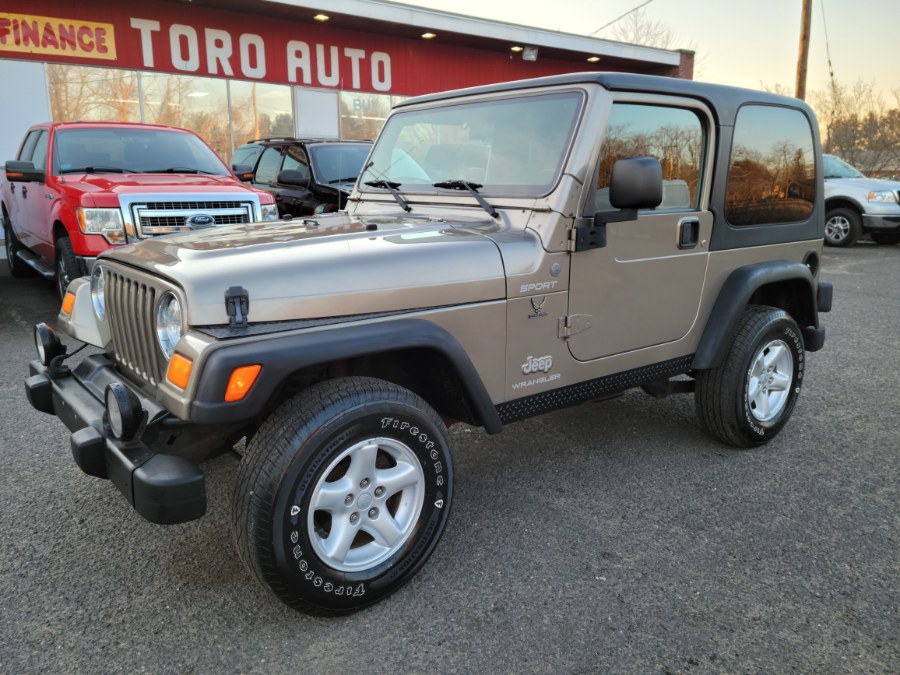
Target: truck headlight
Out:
[168,323]
[98,292]
[269,212]
[105,222]
[883,196]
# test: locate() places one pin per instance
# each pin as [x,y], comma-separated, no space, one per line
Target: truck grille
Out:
[162,217]
[130,306]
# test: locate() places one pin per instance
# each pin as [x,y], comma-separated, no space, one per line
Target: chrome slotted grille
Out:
[162,217]
[130,307]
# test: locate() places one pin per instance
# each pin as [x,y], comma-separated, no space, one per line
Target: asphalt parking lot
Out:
[611,537]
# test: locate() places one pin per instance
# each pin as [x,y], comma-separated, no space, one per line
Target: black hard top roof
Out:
[723,99]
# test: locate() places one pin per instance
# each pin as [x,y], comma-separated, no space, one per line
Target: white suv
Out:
[856,204]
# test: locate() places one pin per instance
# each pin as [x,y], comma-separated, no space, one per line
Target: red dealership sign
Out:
[192,40]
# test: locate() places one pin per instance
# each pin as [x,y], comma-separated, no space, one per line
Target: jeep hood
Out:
[331,266]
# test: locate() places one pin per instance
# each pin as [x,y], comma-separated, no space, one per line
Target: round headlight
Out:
[98,292]
[168,323]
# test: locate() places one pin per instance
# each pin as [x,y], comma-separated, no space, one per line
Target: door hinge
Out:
[237,304]
[587,237]
[573,325]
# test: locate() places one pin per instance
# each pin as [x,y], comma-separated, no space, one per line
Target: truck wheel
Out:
[748,398]
[17,267]
[343,494]
[886,238]
[67,265]
[842,227]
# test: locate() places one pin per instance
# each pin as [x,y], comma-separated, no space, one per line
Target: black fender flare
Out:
[281,355]
[740,286]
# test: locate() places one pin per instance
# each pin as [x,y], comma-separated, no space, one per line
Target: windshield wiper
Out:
[392,187]
[342,180]
[473,190]
[95,169]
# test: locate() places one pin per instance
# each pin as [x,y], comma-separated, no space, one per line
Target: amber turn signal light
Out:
[240,382]
[179,371]
[68,303]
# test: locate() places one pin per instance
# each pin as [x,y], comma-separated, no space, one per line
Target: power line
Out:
[633,9]
[827,46]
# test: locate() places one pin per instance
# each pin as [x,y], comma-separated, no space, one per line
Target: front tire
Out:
[886,238]
[842,227]
[343,494]
[67,265]
[748,398]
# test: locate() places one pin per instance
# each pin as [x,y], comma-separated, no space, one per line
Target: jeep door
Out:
[643,288]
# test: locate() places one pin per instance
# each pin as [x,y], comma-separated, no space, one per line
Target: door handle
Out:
[688,232]
[24,190]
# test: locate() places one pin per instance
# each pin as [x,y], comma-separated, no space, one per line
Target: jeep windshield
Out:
[131,150]
[512,146]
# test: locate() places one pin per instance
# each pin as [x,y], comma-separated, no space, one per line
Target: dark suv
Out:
[306,175]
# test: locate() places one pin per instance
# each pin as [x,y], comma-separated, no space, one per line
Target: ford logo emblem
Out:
[200,220]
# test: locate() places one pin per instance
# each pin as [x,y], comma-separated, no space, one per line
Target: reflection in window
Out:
[771,178]
[269,166]
[96,94]
[674,136]
[194,103]
[363,115]
[260,110]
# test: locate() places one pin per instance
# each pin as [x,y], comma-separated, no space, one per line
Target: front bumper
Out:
[162,488]
[881,223]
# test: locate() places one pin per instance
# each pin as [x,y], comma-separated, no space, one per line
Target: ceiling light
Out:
[429,36]
[321,17]
[593,59]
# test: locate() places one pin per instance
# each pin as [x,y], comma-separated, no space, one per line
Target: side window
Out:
[39,156]
[27,148]
[771,176]
[295,158]
[674,136]
[269,165]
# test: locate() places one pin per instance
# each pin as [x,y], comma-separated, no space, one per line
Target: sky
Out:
[747,43]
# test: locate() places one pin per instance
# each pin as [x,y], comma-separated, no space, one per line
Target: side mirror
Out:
[23,172]
[293,177]
[636,183]
[244,172]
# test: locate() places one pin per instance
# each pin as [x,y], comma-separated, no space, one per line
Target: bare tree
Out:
[639,29]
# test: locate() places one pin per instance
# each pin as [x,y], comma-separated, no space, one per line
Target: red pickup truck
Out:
[76,189]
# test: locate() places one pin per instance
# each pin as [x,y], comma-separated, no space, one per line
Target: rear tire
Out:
[342,494]
[748,398]
[17,266]
[842,227]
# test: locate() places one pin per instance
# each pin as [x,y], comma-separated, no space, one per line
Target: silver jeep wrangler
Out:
[508,250]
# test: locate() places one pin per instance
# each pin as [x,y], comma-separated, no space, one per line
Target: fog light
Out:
[47,344]
[123,411]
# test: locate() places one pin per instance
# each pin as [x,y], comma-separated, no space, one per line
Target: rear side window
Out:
[269,165]
[674,136]
[771,177]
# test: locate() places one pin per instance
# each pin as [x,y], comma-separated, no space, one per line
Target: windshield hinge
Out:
[237,304]
[586,235]
[573,324]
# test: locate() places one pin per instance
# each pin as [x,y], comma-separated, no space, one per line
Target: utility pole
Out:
[805,21]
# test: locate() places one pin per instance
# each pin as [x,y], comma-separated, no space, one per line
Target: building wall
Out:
[229,76]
